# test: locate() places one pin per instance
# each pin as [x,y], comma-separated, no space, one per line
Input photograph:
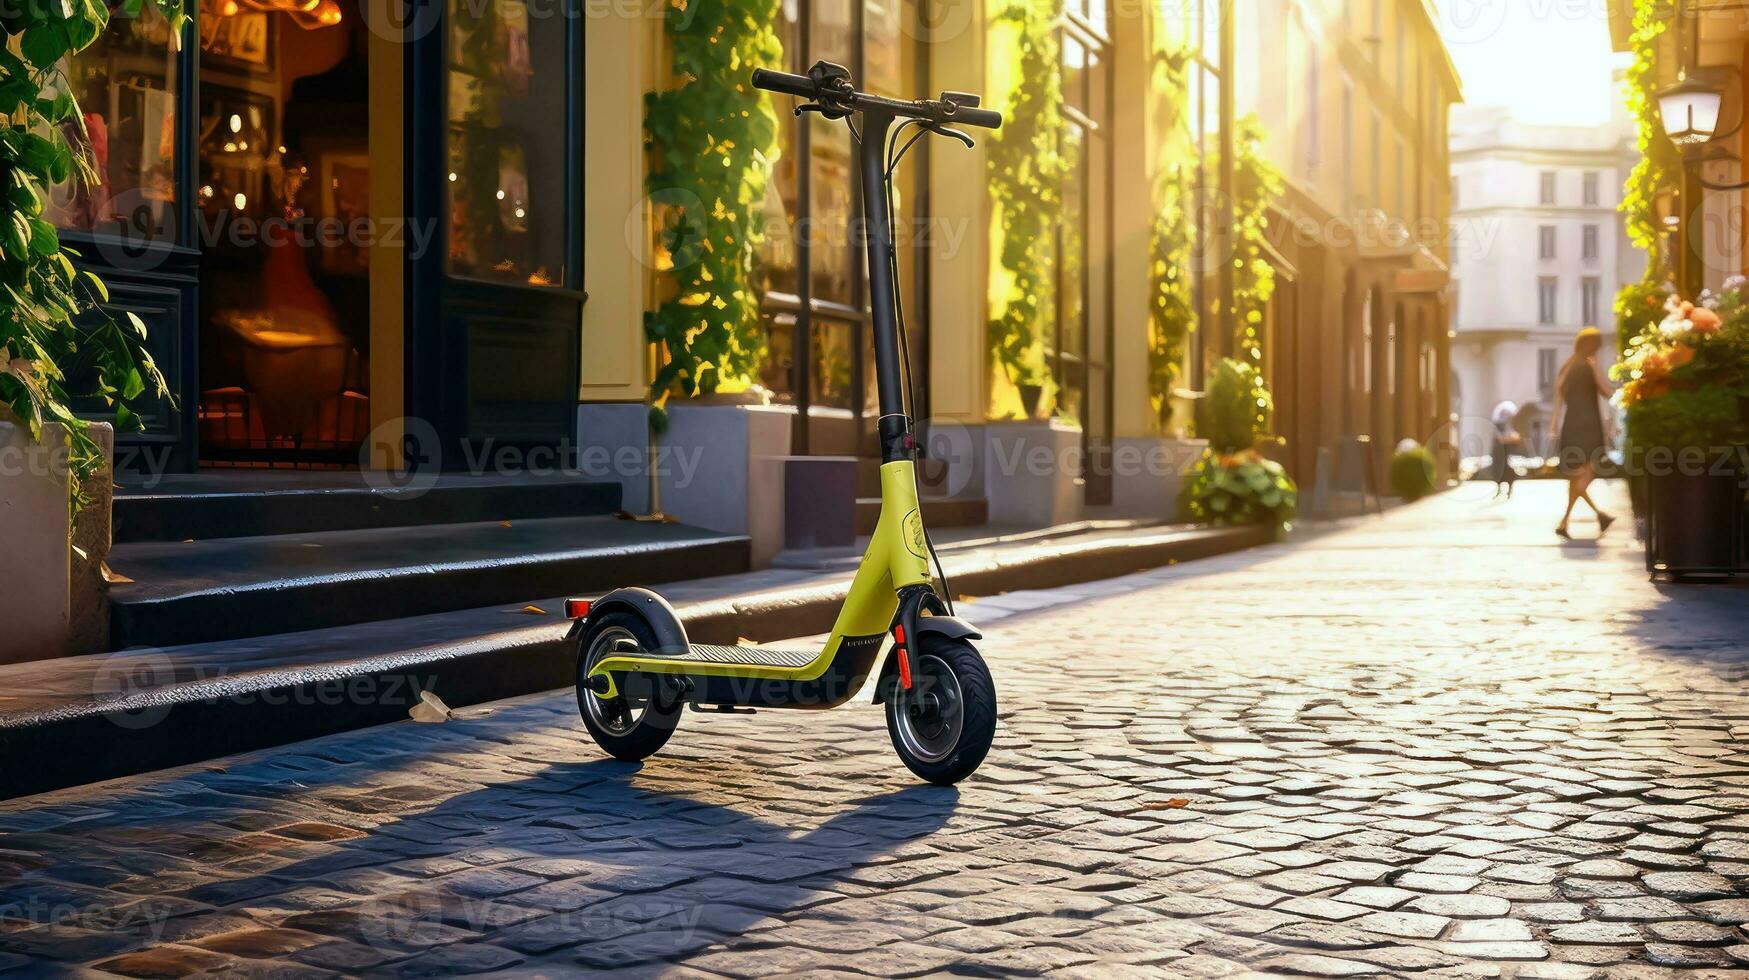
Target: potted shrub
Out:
[1412,471]
[1233,483]
[1685,389]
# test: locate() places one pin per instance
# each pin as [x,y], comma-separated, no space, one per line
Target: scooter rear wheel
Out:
[943,726]
[633,723]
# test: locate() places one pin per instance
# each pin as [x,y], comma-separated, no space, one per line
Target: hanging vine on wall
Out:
[1257,184]
[1171,240]
[1026,173]
[51,326]
[711,141]
[1655,172]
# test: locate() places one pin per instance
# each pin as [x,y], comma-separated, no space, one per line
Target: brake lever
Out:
[828,111]
[960,135]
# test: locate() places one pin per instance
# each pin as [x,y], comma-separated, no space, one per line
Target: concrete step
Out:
[251,503]
[937,512]
[232,588]
[82,719]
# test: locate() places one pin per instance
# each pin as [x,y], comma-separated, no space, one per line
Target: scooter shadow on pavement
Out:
[606,871]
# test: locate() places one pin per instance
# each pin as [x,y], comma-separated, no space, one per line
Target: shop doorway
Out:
[281,210]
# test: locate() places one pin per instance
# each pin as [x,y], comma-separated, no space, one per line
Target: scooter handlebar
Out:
[783,81]
[940,112]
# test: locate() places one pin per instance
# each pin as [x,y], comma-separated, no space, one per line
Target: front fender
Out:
[948,627]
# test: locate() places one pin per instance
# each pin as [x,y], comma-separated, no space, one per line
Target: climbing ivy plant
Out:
[711,141]
[1656,171]
[51,326]
[1256,185]
[1171,239]
[1026,172]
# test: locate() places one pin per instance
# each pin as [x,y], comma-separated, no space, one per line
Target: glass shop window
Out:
[125,84]
[507,107]
[284,226]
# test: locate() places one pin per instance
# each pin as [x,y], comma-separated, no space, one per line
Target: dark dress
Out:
[1582,428]
[1502,469]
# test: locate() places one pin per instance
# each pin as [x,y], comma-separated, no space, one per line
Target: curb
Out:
[184,721]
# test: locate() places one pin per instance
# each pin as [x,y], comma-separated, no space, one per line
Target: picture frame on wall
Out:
[243,40]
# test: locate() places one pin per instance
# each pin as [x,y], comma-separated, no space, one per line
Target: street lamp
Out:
[1690,111]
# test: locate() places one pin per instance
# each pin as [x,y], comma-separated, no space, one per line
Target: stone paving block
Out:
[164,961]
[1376,897]
[1460,906]
[1408,925]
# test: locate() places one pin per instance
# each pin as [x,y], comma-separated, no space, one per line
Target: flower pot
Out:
[34,619]
[1695,524]
[1030,396]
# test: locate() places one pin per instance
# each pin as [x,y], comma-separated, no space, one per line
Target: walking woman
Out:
[1578,424]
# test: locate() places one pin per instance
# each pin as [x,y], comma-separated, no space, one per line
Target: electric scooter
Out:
[637,671]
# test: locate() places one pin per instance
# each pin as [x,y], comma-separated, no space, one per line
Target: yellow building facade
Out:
[1352,96]
[477,250]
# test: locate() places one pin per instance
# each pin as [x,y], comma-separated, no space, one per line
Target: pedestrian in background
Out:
[1578,425]
[1506,438]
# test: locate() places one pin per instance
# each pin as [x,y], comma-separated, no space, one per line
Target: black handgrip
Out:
[783,81]
[968,116]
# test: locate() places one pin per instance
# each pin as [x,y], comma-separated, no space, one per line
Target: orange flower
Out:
[1655,366]
[1704,320]
[1681,354]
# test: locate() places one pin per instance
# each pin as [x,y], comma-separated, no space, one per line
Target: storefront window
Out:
[283,224]
[125,83]
[506,143]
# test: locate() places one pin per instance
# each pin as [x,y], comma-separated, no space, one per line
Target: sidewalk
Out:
[1441,744]
[81,719]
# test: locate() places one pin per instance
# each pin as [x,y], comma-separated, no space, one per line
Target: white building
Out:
[1538,252]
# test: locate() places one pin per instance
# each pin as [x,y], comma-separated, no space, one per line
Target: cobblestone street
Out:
[1439,743]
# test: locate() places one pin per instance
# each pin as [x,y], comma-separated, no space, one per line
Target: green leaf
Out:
[44,44]
[132,385]
[18,236]
[43,239]
[15,90]
[97,285]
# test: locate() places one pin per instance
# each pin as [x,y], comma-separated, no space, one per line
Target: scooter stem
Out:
[893,427]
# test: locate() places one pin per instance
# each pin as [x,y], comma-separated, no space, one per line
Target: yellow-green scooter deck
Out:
[896,557]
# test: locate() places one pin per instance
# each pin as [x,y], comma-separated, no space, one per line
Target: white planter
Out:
[1031,471]
[712,475]
[711,464]
[34,622]
[88,593]
[1147,474]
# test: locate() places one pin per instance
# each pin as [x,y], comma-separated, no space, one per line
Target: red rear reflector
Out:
[899,634]
[904,668]
[576,608]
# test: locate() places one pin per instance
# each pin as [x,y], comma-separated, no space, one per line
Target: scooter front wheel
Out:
[943,726]
[637,721]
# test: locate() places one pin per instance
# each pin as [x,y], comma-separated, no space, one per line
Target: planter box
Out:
[1694,524]
[1031,473]
[1147,474]
[34,619]
[88,593]
[711,464]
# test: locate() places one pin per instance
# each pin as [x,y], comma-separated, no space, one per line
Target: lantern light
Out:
[1690,111]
